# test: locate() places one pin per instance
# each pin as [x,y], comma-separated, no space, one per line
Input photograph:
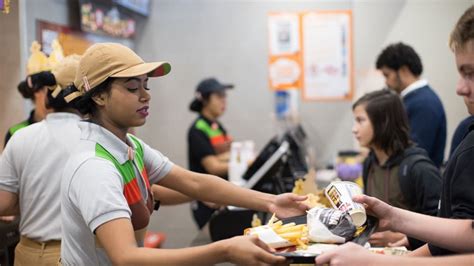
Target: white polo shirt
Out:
[31,166]
[93,191]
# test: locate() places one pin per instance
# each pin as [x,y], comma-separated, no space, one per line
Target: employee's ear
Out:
[99,99]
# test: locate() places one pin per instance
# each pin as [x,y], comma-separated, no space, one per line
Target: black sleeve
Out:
[427,190]
[458,195]
[199,145]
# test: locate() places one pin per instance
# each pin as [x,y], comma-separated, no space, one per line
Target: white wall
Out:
[228,39]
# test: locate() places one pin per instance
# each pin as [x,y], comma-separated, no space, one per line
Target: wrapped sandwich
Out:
[329,226]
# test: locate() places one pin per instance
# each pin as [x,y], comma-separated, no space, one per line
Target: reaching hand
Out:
[347,254]
[384,212]
[249,250]
[288,205]
[386,238]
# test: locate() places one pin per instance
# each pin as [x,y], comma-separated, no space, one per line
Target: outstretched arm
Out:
[353,254]
[117,238]
[214,189]
[456,235]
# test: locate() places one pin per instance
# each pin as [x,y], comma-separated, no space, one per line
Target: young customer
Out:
[395,171]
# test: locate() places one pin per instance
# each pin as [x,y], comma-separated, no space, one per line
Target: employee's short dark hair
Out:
[59,102]
[389,120]
[398,55]
[85,104]
[463,32]
[197,104]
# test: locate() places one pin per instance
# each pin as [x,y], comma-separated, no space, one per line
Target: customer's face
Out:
[465,65]
[362,128]
[392,79]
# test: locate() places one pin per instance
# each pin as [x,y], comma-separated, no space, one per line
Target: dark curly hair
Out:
[38,81]
[398,55]
[389,120]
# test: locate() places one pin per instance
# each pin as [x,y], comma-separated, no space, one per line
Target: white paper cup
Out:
[340,195]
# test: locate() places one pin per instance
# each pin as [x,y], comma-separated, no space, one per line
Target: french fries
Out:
[297,234]
[282,235]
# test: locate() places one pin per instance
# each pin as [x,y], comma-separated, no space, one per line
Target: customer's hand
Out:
[249,250]
[384,212]
[288,205]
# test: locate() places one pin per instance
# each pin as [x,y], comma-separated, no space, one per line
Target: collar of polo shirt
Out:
[108,140]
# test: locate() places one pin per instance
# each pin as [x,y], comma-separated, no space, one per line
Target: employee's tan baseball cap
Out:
[64,72]
[104,60]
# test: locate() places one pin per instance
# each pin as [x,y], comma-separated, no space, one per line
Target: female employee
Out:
[30,172]
[105,195]
[395,171]
[34,88]
[208,141]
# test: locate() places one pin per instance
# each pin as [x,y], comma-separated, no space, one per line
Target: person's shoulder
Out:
[468,122]
[13,129]
[415,158]
[27,134]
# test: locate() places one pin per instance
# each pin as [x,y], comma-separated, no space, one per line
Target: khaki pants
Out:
[29,252]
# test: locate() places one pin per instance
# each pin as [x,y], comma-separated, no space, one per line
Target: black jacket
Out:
[419,179]
[457,196]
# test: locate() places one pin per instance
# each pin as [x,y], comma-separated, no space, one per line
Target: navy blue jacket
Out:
[427,122]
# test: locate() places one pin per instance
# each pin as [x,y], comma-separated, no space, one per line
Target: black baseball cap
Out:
[210,85]
[207,86]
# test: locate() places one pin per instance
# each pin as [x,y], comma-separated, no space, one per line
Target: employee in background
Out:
[34,88]
[208,141]
[402,69]
[31,167]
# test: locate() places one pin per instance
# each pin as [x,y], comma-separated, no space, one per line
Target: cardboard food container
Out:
[268,236]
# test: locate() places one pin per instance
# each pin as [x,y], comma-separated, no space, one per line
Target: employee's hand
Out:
[249,250]
[347,254]
[384,212]
[288,205]
[385,238]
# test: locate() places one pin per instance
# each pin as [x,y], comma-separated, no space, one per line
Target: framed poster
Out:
[327,57]
[72,42]
[285,70]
